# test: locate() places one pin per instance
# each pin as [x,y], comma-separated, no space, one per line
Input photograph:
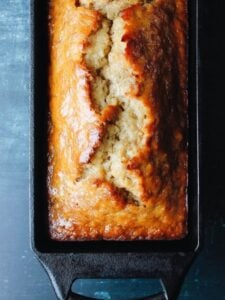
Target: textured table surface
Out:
[21,276]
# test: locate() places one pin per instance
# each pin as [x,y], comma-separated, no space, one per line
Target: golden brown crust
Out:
[153,53]
[88,207]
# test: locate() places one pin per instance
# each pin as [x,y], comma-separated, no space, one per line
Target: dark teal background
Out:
[21,277]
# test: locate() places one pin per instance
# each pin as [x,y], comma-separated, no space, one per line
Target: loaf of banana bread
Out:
[117,161]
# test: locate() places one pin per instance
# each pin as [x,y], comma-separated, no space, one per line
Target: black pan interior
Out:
[39,116]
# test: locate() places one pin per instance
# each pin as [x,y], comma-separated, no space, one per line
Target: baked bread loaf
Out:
[118,119]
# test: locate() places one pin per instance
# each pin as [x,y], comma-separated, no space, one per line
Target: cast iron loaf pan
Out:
[67,261]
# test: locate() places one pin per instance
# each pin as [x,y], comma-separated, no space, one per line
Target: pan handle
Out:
[159,296]
[171,287]
[62,280]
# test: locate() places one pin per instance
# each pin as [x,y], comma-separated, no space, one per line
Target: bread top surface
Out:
[118,120]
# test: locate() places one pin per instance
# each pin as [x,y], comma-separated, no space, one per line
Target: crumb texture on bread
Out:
[118,119]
